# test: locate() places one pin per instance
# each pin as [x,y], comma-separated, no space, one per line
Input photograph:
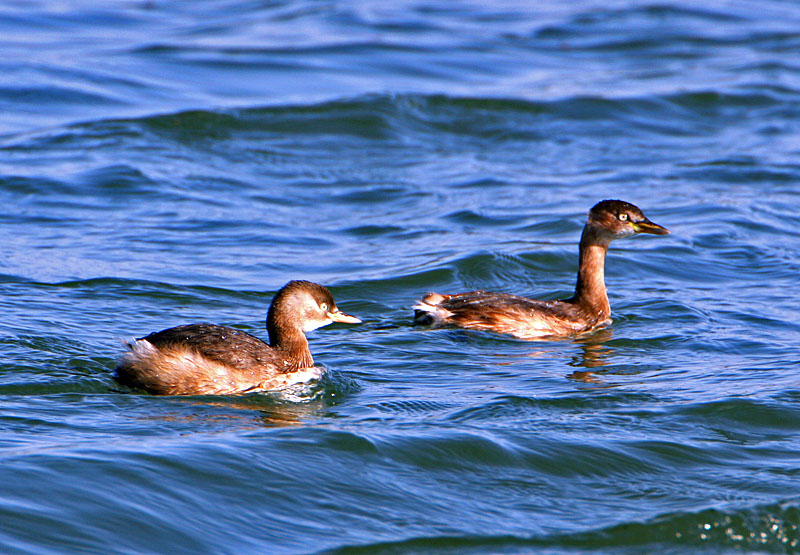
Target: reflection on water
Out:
[239,413]
[292,406]
[270,412]
[592,354]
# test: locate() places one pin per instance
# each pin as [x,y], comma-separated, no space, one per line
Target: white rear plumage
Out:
[429,312]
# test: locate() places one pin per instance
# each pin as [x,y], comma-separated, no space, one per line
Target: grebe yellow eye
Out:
[623,217]
[323,306]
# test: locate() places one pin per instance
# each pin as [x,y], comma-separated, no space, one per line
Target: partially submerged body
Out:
[510,314]
[207,359]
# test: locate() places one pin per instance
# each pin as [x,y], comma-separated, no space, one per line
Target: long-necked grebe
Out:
[525,318]
[206,359]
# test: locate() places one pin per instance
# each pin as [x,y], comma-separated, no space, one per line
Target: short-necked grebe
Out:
[206,359]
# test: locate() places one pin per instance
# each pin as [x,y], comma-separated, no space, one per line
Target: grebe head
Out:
[614,219]
[306,306]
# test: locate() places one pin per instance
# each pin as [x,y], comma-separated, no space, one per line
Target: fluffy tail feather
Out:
[429,312]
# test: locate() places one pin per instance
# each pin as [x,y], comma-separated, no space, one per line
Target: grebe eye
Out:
[623,217]
[323,306]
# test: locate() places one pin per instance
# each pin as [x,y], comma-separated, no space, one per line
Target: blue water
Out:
[173,162]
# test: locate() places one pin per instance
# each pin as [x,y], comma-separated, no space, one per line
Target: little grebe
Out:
[206,359]
[525,318]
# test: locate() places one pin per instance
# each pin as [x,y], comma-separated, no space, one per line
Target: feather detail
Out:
[509,314]
[178,369]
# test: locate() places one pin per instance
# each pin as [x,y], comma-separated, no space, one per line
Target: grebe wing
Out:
[502,313]
[221,344]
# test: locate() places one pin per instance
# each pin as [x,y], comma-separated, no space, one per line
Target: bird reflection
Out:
[593,354]
[249,411]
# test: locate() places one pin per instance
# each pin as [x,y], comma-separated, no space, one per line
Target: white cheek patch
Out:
[311,325]
[312,314]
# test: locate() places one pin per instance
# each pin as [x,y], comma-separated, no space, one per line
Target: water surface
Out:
[172,162]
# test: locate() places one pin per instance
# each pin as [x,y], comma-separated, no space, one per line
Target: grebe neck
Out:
[292,343]
[590,289]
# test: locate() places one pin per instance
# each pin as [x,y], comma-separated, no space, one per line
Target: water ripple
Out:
[171,162]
